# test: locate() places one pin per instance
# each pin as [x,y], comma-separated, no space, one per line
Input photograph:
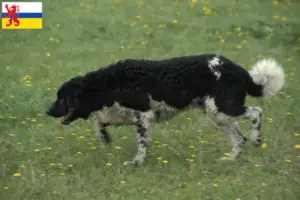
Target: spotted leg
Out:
[100,132]
[144,136]
[254,114]
[237,138]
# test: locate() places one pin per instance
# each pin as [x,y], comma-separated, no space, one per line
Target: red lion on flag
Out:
[12,14]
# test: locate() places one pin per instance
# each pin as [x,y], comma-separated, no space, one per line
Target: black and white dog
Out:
[142,92]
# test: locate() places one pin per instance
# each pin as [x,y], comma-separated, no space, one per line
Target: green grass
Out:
[79,36]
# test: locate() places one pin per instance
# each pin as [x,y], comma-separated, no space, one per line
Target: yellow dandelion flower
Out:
[81,137]
[194,156]
[288,161]
[123,182]
[62,174]
[238,29]
[118,147]
[207,11]
[11,96]
[227,154]
[192,147]
[296,134]
[57,25]
[174,21]
[70,165]
[158,158]
[12,135]
[22,166]
[256,165]
[192,3]
[237,199]
[238,46]
[275,3]
[132,24]
[16,174]
[43,174]
[164,145]
[93,148]
[36,150]
[49,148]
[78,152]
[51,38]
[108,164]
[5,188]
[289,113]
[264,145]
[145,25]
[165,161]
[138,17]
[297,146]
[48,54]
[19,143]
[52,164]
[276,17]
[215,185]
[222,41]
[33,120]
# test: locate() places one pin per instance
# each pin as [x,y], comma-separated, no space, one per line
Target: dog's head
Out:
[71,103]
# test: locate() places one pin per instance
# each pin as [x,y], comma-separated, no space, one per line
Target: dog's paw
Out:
[257,143]
[133,162]
[228,158]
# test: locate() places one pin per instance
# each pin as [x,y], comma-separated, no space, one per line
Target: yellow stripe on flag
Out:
[25,23]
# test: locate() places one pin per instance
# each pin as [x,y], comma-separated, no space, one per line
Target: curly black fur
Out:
[136,87]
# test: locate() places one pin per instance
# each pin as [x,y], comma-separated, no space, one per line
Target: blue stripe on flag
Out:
[27,15]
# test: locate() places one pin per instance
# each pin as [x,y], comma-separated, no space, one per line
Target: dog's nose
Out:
[48,109]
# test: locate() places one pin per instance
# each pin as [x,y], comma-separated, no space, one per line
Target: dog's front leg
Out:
[100,132]
[144,136]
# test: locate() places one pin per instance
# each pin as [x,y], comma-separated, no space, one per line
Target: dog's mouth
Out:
[67,119]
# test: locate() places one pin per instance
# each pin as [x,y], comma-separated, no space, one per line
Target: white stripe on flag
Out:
[25,7]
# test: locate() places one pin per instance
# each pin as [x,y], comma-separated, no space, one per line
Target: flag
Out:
[22,15]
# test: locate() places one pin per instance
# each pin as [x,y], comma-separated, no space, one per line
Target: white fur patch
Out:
[165,111]
[212,64]
[269,74]
[214,114]
[115,114]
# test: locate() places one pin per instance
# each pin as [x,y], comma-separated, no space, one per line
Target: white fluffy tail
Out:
[269,74]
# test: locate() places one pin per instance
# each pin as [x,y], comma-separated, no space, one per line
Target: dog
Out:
[143,92]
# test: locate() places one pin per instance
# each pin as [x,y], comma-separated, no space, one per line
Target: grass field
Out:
[41,159]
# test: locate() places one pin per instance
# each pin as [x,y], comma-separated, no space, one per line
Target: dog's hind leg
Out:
[144,135]
[254,114]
